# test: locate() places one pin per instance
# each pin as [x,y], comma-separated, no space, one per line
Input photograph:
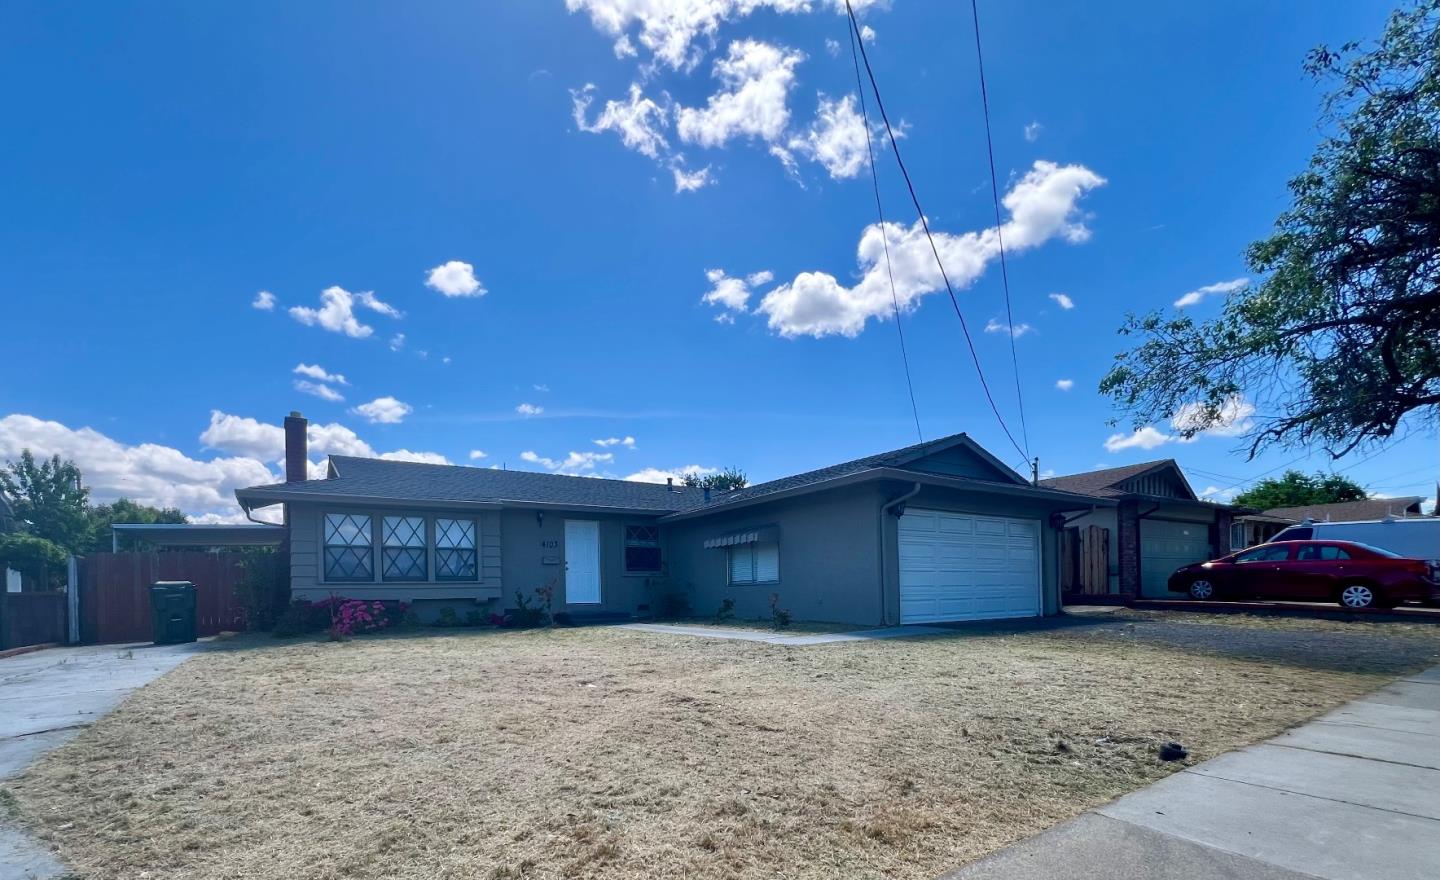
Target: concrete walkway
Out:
[1353,795]
[771,637]
[46,698]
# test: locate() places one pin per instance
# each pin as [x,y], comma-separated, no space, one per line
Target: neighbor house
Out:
[1257,528]
[939,531]
[1152,523]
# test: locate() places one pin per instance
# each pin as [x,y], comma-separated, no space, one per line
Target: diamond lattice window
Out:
[455,549]
[642,549]
[403,550]
[347,547]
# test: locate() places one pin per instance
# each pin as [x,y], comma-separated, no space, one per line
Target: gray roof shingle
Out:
[1103,483]
[412,481]
[1347,511]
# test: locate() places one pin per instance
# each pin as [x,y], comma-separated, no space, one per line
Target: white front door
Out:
[582,562]
[959,566]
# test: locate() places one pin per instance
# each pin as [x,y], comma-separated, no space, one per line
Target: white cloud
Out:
[690,181]
[1231,419]
[836,139]
[422,457]
[1064,384]
[337,312]
[529,409]
[660,475]
[397,342]
[994,325]
[867,33]
[574,464]
[627,441]
[1219,288]
[668,29]
[1063,301]
[756,79]
[384,410]
[477,454]
[639,121]
[833,47]
[1142,438]
[455,279]
[1032,132]
[148,473]
[1043,205]
[319,374]
[543,389]
[318,389]
[264,301]
[1215,493]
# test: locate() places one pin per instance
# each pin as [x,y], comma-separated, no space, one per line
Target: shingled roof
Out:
[372,478]
[1350,511]
[1105,483]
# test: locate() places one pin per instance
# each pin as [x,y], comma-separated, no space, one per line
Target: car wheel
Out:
[1357,596]
[1202,589]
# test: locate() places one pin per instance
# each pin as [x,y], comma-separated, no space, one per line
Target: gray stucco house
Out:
[939,531]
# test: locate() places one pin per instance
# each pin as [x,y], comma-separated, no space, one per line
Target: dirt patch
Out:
[620,754]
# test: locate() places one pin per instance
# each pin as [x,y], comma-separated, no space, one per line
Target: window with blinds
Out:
[757,563]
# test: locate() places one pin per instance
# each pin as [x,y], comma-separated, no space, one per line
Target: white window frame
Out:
[753,549]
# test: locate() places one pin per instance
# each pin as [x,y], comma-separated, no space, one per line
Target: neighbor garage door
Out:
[956,566]
[1165,546]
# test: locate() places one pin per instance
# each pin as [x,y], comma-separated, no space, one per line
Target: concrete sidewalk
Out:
[1353,795]
[46,698]
[771,637]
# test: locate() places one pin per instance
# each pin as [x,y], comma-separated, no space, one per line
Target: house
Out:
[1152,524]
[939,531]
[1257,528]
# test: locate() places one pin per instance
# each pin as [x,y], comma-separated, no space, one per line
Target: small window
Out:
[642,549]
[347,547]
[1265,553]
[757,563]
[455,549]
[1237,536]
[1321,552]
[1295,533]
[403,556]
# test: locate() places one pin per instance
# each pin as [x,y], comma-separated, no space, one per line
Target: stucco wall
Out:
[829,568]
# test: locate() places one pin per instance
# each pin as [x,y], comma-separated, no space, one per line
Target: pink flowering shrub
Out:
[351,617]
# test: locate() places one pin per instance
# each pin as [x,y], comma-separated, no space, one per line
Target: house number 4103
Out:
[550,544]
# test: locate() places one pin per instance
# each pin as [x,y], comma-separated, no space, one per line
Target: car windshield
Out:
[1381,551]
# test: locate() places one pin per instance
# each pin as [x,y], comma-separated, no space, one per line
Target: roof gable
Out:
[1156,479]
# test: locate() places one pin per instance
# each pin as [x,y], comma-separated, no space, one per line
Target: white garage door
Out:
[957,566]
[1166,546]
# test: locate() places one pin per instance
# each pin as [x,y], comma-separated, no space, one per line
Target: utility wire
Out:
[925,224]
[884,235]
[999,233]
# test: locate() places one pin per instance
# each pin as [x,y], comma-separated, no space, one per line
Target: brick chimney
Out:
[297,464]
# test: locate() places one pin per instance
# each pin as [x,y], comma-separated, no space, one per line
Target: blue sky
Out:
[595,171]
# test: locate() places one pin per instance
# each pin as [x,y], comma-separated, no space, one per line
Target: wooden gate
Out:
[32,619]
[1085,555]
[115,592]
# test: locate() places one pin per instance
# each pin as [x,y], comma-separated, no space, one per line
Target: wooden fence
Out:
[1085,561]
[32,619]
[115,592]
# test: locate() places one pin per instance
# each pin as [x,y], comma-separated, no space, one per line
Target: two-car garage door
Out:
[959,566]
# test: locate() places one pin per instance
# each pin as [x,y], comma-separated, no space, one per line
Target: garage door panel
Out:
[967,567]
[1166,545]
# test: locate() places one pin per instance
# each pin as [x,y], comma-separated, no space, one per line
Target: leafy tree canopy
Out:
[123,510]
[48,498]
[724,481]
[1296,489]
[31,554]
[1340,341]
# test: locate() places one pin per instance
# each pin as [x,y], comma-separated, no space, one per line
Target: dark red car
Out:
[1355,575]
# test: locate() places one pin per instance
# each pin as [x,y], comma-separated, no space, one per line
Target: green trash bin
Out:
[172,606]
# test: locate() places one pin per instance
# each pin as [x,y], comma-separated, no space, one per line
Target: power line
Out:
[884,235]
[925,224]
[999,233]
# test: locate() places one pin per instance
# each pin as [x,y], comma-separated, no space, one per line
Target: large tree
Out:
[726,480]
[1340,340]
[49,499]
[123,510]
[1297,489]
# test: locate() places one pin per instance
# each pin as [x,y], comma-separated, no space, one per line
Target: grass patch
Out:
[620,754]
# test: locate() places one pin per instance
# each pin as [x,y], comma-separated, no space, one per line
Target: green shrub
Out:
[447,617]
[725,611]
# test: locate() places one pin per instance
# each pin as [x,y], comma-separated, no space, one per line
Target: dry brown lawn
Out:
[619,754]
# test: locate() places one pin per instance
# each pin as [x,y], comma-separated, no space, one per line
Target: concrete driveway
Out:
[46,698]
[1353,795]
